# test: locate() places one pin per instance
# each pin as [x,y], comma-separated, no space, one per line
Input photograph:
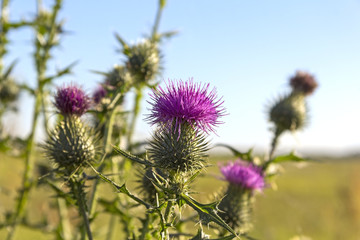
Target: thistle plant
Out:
[289,113]
[71,146]
[184,113]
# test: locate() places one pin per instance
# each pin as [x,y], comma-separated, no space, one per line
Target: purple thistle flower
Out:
[244,174]
[99,94]
[186,102]
[303,82]
[71,100]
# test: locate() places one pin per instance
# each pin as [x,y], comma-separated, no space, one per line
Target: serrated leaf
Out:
[247,156]
[120,189]
[9,70]
[207,211]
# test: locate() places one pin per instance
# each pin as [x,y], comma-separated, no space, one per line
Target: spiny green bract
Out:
[183,151]
[236,208]
[70,145]
[289,113]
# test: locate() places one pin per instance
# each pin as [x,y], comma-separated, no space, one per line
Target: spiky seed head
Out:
[71,145]
[244,174]
[236,208]
[9,91]
[183,151]
[303,82]
[186,103]
[144,61]
[289,113]
[71,100]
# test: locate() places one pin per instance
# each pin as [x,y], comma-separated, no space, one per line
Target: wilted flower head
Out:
[186,103]
[99,94]
[303,82]
[71,100]
[244,174]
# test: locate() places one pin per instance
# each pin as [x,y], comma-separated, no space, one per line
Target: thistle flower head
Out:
[303,82]
[118,77]
[99,94]
[245,175]
[186,103]
[9,91]
[71,100]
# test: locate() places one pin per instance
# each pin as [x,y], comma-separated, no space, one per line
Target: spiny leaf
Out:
[247,156]
[9,70]
[121,189]
[289,158]
[208,211]
[132,157]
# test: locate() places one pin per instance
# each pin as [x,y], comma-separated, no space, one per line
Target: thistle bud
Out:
[9,91]
[289,113]
[118,77]
[143,61]
[236,207]
[183,151]
[303,82]
[71,100]
[71,145]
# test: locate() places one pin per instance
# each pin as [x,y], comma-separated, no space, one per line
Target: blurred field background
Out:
[318,200]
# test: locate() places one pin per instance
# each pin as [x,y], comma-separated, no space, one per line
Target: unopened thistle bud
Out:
[71,145]
[71,100]
[236,207]
[289,113]
[303,82]
[183,151]
[9,91]
[143,61]
[118,77]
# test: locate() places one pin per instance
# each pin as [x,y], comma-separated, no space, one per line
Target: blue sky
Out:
[246,49]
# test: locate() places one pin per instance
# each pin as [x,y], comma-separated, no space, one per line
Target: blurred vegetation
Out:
[318,200]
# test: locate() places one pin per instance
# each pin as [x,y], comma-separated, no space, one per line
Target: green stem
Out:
[136,111]
[156,23]
[27,177]
[64,221]
[78,190]
[274,143]
[111,227]
[107,150]
[3,32]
